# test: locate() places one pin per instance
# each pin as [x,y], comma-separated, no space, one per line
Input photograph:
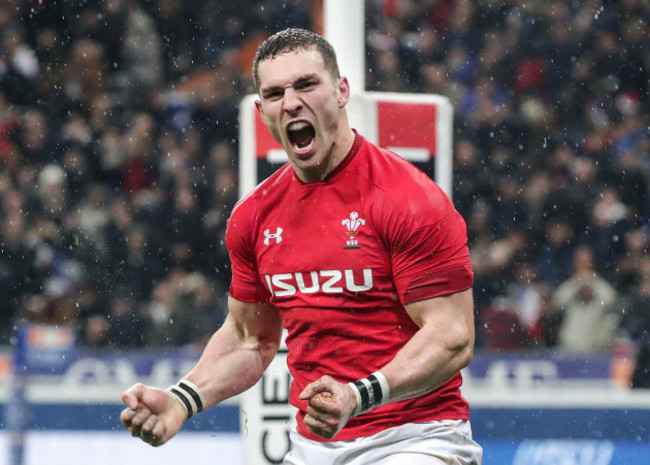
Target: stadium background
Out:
[118,143]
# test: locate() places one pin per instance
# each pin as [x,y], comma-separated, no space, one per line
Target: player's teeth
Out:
[298,126]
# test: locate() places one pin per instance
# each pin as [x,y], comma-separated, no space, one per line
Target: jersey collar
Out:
[358,139]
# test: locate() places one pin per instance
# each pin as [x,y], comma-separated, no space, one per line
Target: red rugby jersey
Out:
[339,258]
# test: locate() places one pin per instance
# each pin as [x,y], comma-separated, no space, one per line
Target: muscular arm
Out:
[238,353]
[442,346]
[232,361]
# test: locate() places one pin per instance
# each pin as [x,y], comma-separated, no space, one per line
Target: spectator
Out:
[19,67]
[636,324]
[96,332]
[208,308]
[588,302]
[85,73]
[509,210]
[171,20]
[141,52]
[472,183]
[35,141]
[50,52]
[631,264]
[607,229]
[501,326]
[168,314]
[126,327]
[16,271]
[9,159]
[527,295]
[556,253]
[551,318]
[636,319]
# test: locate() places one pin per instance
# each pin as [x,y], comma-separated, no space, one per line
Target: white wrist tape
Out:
[370,392]
[189,396]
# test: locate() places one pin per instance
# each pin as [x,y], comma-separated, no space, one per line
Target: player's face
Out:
[303,106]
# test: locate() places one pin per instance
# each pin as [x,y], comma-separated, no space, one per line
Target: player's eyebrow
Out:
[266,91]
[305,79]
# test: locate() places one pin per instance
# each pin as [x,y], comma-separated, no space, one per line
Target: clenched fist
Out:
[151,414]
[331,405]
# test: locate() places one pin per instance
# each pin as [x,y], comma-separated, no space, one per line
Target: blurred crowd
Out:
[119,142]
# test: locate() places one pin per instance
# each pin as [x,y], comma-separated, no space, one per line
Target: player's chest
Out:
[319,232]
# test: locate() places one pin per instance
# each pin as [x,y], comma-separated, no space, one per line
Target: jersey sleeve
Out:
[428,246]
[245,285]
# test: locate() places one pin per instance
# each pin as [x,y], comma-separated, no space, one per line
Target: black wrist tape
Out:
[371,392]
[189,396]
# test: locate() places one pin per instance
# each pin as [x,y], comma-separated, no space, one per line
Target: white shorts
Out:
[432,443]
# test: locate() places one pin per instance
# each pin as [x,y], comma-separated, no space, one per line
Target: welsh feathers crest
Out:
[352,224]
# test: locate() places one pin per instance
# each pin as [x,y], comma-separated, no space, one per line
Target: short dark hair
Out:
[291,40]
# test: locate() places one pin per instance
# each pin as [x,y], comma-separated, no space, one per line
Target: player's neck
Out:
[338,151]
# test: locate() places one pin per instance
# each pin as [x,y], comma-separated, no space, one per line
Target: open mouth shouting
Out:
[301,136]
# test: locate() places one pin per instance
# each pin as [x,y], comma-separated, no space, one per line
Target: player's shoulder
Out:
[398,178]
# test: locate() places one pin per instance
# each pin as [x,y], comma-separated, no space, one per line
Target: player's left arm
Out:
[442,346]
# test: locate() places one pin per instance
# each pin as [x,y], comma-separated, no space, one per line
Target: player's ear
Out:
[260,110]
[343,91]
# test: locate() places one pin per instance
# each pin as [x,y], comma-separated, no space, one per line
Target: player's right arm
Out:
[233,360]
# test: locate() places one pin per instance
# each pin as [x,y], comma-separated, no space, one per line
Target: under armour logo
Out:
[277,236]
